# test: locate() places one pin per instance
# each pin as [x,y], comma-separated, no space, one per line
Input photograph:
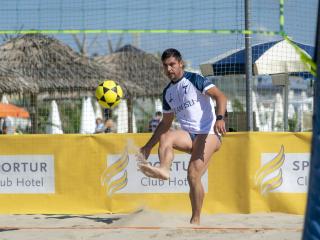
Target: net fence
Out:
[54,54]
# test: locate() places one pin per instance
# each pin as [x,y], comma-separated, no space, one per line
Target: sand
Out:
[147,224]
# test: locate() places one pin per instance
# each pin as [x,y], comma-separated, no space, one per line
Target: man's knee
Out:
[165,139]
[194,175]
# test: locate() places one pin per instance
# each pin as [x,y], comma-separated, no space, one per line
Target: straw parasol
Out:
[52,66]
[139,72]
[13,82]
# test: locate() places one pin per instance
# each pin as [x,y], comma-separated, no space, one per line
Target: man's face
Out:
[173,68]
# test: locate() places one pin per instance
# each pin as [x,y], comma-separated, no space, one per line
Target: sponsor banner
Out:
[136,182]
[86,174]
[27,174]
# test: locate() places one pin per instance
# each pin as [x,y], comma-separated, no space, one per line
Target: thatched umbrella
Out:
[12,82]
[51,65]
[139,72]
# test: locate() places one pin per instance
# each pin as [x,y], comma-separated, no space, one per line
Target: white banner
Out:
[291,173]
[133,181]
[27,174]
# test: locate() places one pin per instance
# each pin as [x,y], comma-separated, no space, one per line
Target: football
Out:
[109,94]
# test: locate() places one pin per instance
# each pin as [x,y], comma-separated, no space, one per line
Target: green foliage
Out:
[70,115]
[43,114]
[237,106]
[292,123]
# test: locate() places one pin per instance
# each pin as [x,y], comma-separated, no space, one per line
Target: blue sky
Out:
[300,22]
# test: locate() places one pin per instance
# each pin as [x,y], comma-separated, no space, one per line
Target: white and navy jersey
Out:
[186,98]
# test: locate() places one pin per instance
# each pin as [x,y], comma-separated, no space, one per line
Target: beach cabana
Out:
[275,57]
[279,59]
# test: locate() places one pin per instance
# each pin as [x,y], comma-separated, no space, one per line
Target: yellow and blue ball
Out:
[109,94]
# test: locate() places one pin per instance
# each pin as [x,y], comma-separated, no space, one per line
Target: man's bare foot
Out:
[195,220]
[141,159]
[154,172]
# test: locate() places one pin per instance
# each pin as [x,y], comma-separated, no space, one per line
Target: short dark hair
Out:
[171,52]
[158,113]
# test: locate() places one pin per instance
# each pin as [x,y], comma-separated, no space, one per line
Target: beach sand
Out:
[147,224]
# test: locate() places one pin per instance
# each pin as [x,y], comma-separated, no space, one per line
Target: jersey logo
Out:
[185,88]
[171,98]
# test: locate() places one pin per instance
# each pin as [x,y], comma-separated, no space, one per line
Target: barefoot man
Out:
[190,98]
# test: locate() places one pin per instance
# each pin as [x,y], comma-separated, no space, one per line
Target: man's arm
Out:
[162,127]
[221,101]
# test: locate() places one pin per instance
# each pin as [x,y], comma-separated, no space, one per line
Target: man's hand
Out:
[220,127]
[221,101]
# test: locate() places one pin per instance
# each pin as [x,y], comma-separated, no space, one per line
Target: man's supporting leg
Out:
[177,139]
[204,146]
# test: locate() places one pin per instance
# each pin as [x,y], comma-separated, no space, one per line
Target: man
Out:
[99,126]
[189,97]
[109,126]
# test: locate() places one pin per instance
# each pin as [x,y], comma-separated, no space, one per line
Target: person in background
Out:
[154,122]
[109,126]
[8,126]
[99,126]
[4,129]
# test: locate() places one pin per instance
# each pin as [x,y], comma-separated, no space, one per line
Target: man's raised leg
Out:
[175,139]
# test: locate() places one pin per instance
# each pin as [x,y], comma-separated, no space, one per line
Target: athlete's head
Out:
[172,64]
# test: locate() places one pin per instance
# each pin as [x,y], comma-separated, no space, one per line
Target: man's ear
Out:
[182,64]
